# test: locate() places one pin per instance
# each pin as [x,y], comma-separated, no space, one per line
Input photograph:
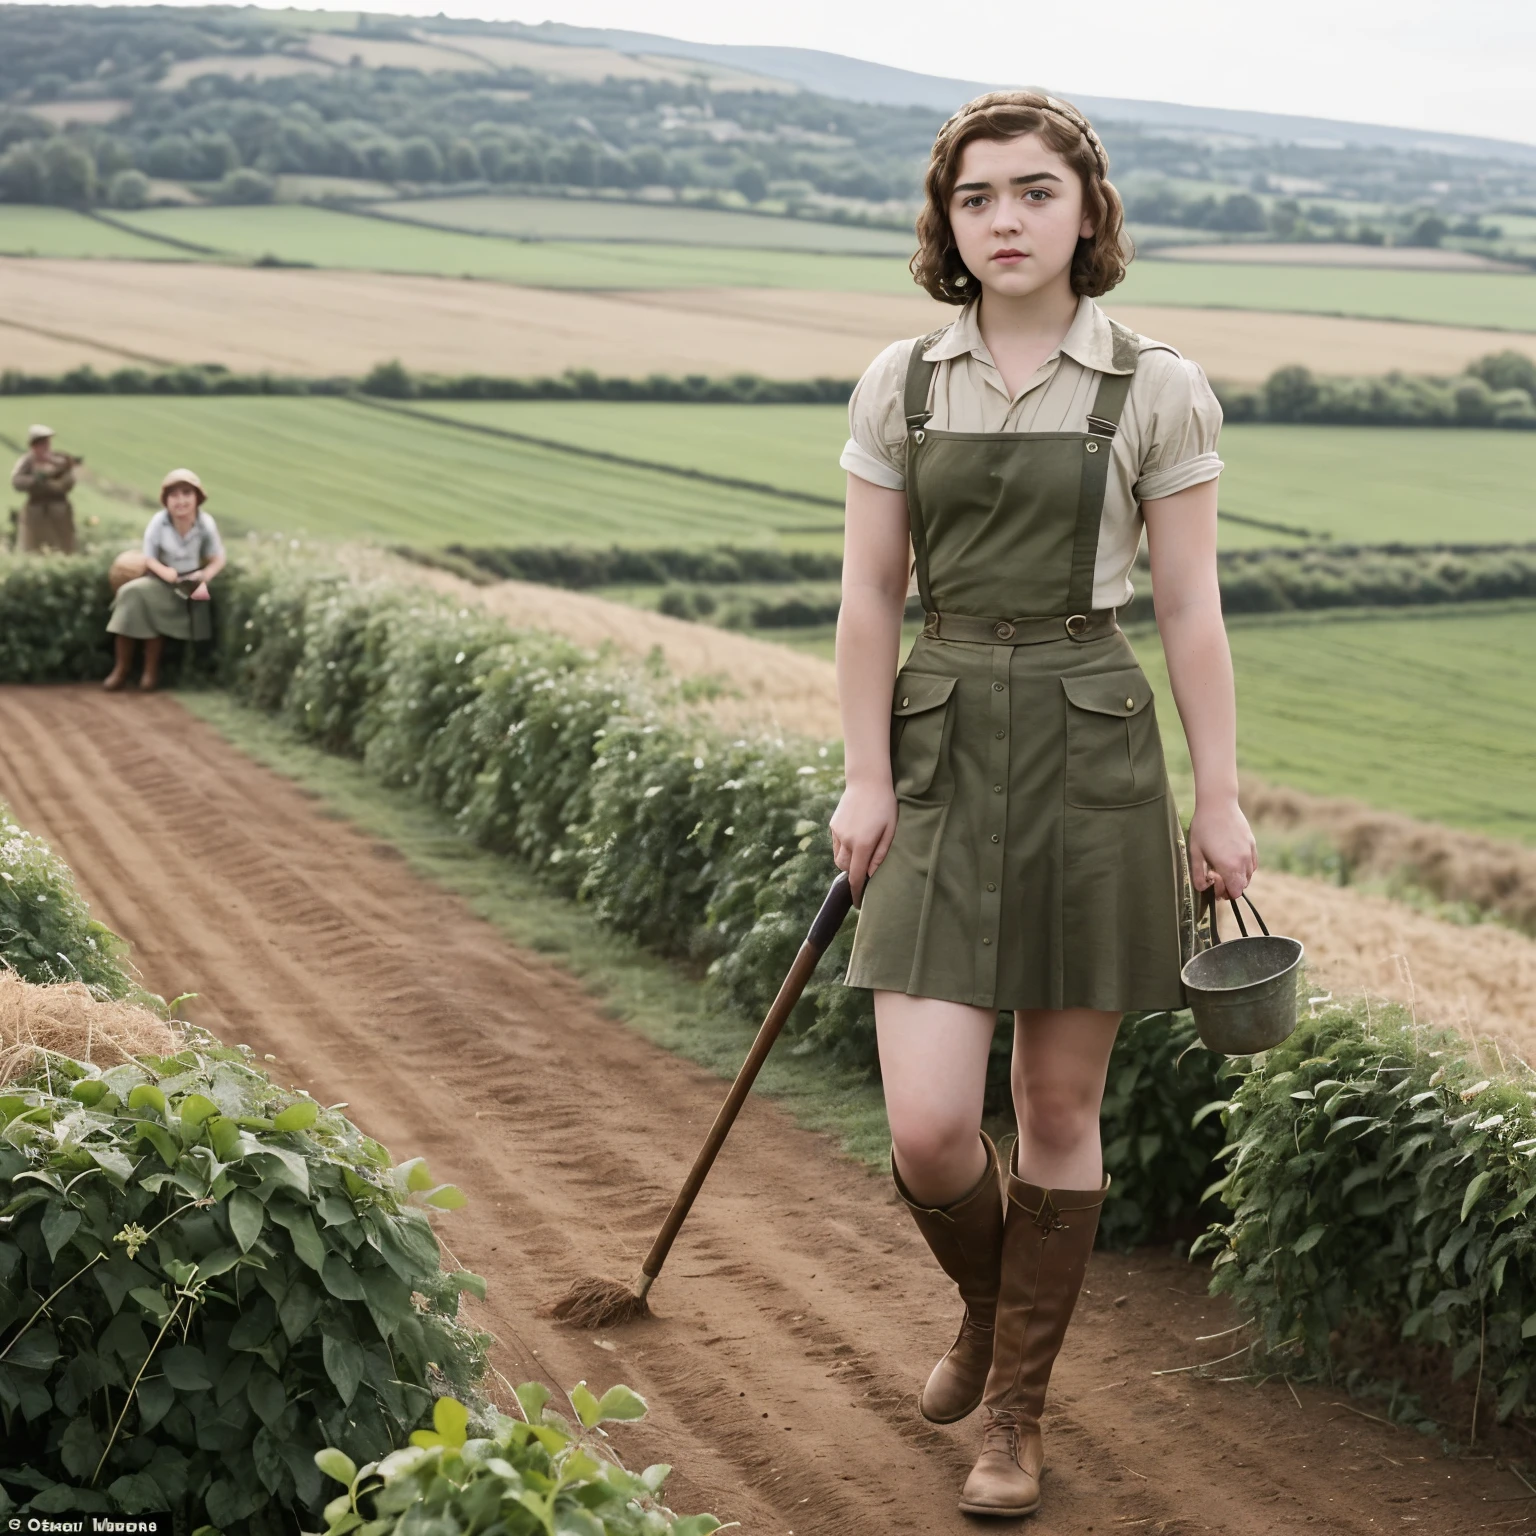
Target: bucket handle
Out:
[1208,898]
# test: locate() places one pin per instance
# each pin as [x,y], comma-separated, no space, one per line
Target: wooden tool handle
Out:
[823,930]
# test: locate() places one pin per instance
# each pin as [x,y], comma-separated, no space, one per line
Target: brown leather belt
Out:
[1092,625]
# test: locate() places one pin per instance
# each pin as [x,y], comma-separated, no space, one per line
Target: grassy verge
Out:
[660,999]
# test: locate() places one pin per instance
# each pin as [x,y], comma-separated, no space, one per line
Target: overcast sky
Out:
[1467,66]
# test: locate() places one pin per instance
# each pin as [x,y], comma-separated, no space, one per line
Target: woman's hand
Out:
[1222,851]
[862,827]
[199,593]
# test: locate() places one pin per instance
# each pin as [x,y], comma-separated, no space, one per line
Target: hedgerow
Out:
[54,611]
[1379,1177]
[203,1281]
[47,933]
[697,844]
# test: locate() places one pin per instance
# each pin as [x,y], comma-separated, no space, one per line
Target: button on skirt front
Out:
[1038,860]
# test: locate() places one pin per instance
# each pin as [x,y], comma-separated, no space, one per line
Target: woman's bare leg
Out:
[933,1062]
[1060,1061]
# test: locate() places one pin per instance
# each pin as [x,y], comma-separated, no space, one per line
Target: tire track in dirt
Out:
[799,1312]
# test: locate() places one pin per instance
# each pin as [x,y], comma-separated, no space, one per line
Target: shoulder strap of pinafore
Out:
[914,406]
[1103,423]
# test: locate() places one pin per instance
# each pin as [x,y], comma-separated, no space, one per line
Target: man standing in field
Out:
[47,478]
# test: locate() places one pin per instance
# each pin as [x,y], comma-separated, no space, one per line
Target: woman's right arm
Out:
[875,549]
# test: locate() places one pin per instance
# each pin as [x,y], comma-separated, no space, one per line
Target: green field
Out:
[322,237]
[1428,714]
[331,469]
[26,230]
[1372,485]
[591,218]
[1503,300]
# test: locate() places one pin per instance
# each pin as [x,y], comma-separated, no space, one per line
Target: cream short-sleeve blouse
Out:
[1166,442]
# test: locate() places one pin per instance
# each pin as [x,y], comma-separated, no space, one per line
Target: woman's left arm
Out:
[1181,540]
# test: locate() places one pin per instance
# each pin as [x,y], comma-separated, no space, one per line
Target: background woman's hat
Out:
[183,477]
[36,431]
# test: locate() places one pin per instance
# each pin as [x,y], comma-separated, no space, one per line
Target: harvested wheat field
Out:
[331,322]
[799,1314]
[1479,978]
[41,351]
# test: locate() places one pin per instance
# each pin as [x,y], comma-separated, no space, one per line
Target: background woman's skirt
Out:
[147,607]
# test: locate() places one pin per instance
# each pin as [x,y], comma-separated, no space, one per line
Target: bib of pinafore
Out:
[1038,860]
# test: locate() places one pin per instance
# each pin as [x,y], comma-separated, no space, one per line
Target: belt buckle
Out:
[1004,630]
[1078,624]
[931,626]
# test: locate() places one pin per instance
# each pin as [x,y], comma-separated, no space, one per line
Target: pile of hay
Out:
[68,1019]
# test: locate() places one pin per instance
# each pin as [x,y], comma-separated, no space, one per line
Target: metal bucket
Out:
[1242,992]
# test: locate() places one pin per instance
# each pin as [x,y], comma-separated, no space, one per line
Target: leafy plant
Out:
[53,618]
[538,1473]
[46,930]
[1379,1178]
[203,1280]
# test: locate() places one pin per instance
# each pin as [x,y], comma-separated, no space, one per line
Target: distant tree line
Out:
[1496,391]
[515,128]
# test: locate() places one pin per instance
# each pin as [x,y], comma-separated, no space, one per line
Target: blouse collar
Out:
[1088,341]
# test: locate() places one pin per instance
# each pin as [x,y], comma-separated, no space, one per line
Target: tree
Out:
[1239,213]
[1288,393]
[380,158]
[1428,231]
[128,189]
[751,183]
[464,162]
[247,185]
[21,174]
[170,156]
[69,174]
[421,160]
[649,166]
[1506,370]
[581,164]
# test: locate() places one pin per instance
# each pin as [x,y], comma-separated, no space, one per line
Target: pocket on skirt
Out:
[919,731]
[1114,753]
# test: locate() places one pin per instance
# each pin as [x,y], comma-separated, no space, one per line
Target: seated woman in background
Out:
[182,554]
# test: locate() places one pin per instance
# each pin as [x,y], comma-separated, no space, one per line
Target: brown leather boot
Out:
[967,1240]
[122,659]
[1047,1237]
[149,679]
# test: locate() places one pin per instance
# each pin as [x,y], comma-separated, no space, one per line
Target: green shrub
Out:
[47,933]
[204,1281]
[1379,1179]
[531,1474]
[53,618]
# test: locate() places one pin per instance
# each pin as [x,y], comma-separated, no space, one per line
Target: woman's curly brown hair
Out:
[1100,260]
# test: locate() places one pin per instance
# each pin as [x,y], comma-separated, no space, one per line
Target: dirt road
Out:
[799,1312]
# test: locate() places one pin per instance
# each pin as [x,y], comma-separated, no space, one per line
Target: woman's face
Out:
[1017,215]
[181,503]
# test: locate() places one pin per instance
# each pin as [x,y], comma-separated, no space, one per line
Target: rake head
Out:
[600,1303]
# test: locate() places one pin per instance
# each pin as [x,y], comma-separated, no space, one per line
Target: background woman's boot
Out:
[122,659]
[1046,1242]
[967,1240]
[150,677]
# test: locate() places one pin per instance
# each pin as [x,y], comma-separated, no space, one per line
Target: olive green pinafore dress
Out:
[1038,860]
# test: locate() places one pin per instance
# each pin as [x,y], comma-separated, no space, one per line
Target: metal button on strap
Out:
[997,789]
[1001,734]
[997,687]
[986,941]
[1092,447]
[995,837]
[1003,630]
[991,887]
[905,702]
[1129,703]
[918,435]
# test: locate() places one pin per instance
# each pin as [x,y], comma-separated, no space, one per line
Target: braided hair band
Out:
[1061,110]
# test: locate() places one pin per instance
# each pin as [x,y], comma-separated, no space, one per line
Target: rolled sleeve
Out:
[1180,438]
[877,441]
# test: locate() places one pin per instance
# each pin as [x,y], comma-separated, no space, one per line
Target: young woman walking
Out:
[1007,822]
